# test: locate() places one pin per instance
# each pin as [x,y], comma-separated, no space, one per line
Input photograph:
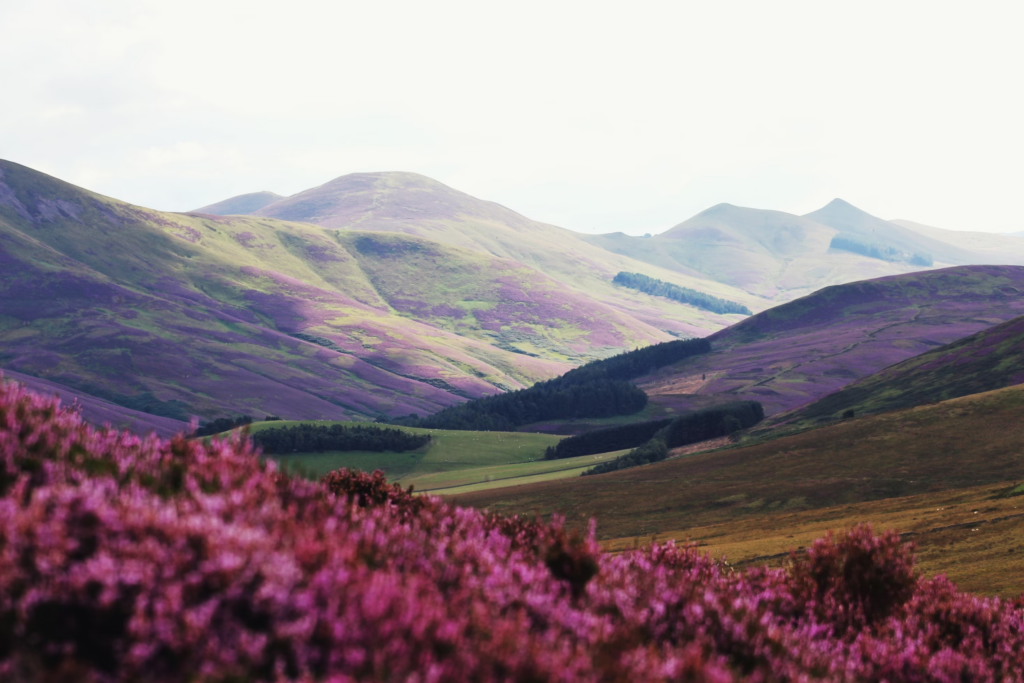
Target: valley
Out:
[956,444]
[391,297]
[487,343]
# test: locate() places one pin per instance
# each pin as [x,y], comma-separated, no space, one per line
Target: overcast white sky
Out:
[598,117]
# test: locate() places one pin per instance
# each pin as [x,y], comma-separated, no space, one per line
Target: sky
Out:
[595,116]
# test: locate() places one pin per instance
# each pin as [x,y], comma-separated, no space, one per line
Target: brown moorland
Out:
[975,536]
[965,442]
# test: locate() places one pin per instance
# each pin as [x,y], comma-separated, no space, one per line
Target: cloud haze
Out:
[597,117]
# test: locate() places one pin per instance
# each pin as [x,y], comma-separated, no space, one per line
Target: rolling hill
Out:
[990,359]
[994,247]
[412,204]
[783,256]
[800,351]
[861,226]
[769,253]
[242,204]
[200,314]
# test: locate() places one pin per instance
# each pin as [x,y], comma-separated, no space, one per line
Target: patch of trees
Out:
[598,389]
[309,438]
[544,401]
[222,424]
[605,440]
[694,427]
[880,251]
[633,364]
[650,285]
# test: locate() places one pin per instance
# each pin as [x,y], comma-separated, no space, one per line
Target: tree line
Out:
[650,285]
[310,438]
[879,251]
[598,389]
[605,440]
[694,427]
[223,424]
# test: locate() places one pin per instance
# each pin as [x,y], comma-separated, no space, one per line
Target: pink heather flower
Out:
[125,558]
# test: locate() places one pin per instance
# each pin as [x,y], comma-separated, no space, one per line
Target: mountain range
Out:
[197,314]
[384,294]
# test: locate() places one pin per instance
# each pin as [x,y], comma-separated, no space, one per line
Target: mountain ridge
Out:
[800,351]
[240,204]
[301,320]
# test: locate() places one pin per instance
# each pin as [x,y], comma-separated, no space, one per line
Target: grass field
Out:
[502,476]
[974,536]
[452,459]
[965,442]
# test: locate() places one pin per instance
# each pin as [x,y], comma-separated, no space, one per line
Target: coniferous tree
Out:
[650,285]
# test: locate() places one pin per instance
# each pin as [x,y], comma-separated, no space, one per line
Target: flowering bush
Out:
[138,559]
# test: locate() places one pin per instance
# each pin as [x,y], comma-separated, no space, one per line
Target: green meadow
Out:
[453,462]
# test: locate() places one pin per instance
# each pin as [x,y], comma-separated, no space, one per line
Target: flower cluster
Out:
[125,558]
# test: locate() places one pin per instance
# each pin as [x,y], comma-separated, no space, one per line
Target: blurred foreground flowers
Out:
[139,559]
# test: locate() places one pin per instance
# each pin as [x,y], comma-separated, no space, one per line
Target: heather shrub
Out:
[139,559]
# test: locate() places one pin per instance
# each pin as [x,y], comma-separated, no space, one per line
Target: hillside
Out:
[994,247]
[964,442]
[196,314]
[769,253]
[800,351]
[990,359]
[412,204]
[96,411]
[242,204]
[861,226]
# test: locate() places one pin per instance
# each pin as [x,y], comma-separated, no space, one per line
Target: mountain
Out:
[194,314]
[412,204]
[768,253]
[800,351]
[990,359]
[240,205]
[993,247]
[861,226]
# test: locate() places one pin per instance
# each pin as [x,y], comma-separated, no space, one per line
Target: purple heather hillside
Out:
[98,412]
[793,354]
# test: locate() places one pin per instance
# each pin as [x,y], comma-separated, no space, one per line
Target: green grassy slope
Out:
[412,204]
[963,442]
[200,314]
[439,463]
[124,302]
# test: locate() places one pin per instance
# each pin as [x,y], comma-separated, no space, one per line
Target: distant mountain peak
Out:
[860,226]
[839,207]
[241,205]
